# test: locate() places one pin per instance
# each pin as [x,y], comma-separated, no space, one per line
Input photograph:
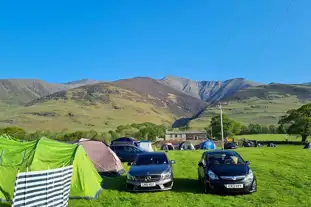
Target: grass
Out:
[269,137]
[283,175]
[253,110]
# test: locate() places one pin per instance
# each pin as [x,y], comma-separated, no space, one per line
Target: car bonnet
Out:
[141,170]
[230,170]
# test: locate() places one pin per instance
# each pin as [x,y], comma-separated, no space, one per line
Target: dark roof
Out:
[221,151]
[152,153]
[186,132]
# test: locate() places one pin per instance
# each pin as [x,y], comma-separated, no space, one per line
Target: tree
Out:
[15,132]
[272,129]
[298,121]
[230,126]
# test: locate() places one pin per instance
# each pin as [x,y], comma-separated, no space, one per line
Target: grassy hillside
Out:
[21,91]
[100,107]
[291,188]
[259,105]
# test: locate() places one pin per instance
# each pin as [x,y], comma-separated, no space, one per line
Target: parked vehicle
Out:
[125,140]
[126,152]
[230,145]
[151,171]
[225,171]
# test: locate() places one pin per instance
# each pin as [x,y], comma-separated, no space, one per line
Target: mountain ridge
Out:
[210,91]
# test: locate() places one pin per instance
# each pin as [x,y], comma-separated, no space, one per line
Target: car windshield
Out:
[224,158]
[158,159]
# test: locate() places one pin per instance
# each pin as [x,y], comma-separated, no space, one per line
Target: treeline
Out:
[146,131]
[295,122]
[259,129]
[232,127]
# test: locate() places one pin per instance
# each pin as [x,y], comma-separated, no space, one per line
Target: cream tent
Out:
[104,159]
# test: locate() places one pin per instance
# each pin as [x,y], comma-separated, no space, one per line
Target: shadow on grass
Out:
[114,183]
[5,204]
[180,184]
[187,185]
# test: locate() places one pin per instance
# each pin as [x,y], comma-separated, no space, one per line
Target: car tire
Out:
[199,178]
[206,188]
[254,186]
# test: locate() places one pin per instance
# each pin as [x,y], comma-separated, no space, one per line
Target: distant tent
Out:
[125,140]
[308,146]
[186,146]
[248,144]
[167,146]
[44,154]
[271,145]
[146,145]
[104,159]
[209,145]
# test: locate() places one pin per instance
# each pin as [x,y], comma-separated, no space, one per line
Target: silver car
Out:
[151,171]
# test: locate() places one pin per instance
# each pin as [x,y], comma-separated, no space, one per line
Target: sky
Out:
[59,41]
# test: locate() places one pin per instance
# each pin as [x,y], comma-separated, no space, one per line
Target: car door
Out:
[201,169]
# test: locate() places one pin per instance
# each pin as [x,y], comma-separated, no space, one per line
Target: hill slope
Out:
[21,91]
[210,91]
[261,104]
[100,106]
[177,101]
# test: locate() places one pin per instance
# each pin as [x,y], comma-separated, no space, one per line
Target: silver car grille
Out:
[233,178]
[148,178]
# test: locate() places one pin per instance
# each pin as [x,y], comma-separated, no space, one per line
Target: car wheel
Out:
[254,186]
[206,188]
[199,178]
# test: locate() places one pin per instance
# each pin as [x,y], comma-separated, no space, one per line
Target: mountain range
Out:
[84,104]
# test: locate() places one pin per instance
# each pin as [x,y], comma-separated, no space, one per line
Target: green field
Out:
[283,175]
[269,137]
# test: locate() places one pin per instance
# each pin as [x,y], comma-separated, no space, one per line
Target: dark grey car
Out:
[151,171]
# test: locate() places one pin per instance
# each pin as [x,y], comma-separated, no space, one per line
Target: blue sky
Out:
[59,41]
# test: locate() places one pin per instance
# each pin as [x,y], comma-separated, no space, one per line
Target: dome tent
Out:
[186,146]
[208,145]
[17,156]
[167,146]
[308,146]
[146,145]
[105,161]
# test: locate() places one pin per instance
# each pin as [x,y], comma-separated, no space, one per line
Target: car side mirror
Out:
[172,162]
[129,163]
[248,163]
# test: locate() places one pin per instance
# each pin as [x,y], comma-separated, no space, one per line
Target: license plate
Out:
[147,184]
[234,186]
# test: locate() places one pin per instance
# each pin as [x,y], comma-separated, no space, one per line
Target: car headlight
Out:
[130,177]
[212,175]
[166,175]
[250,175]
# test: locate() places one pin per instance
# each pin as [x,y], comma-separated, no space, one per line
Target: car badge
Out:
[233,178]
[148,178]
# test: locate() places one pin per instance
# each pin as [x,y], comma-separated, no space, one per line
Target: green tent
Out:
[17,156]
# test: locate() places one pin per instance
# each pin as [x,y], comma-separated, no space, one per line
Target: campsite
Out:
[281,172]
[155,103]
[283,180]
